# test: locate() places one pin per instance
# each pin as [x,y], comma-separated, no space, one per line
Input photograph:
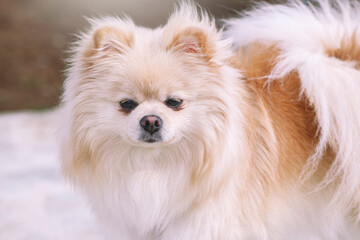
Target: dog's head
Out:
[150,87]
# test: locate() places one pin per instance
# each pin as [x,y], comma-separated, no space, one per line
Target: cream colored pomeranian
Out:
[186,132]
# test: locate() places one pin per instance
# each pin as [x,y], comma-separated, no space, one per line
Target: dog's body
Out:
[174,136]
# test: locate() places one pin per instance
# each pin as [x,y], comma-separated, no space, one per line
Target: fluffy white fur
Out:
[214,175]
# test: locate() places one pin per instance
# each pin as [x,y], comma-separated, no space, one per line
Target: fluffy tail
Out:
[321,41]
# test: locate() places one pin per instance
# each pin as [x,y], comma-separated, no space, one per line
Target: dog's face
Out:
[154,97]
[151,87]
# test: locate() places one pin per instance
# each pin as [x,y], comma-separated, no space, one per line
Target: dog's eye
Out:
[173,103]
[128,105]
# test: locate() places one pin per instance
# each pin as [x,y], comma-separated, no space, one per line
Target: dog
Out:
[190,132]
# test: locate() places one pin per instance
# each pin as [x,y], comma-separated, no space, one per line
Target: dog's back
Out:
[304,62]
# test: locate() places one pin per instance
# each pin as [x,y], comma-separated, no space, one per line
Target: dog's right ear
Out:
[110,38]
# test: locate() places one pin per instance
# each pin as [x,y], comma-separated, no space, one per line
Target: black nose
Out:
[151,123]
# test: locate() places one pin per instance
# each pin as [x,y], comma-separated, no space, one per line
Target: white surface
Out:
[35,202]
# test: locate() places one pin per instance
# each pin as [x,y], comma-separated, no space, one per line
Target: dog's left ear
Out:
[192,32]
[191,40]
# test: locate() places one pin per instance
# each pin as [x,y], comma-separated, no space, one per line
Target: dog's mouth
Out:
[150,138]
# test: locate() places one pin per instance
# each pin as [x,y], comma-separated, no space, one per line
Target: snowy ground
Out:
[35,202]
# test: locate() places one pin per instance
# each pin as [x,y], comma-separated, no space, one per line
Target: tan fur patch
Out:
[291,116]
[349,50]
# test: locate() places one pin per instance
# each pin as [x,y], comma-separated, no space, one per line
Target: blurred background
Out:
[35,34]
[35,201]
